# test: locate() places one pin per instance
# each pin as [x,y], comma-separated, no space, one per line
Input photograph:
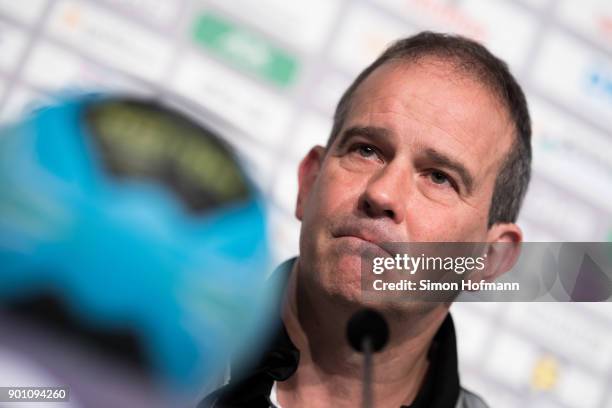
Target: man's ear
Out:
[307,174]
[503,250]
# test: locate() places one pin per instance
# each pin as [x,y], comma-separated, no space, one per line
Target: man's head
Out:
[430,143]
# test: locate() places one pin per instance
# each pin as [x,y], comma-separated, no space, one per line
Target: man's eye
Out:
[438,177]
[365,151]
[441,178]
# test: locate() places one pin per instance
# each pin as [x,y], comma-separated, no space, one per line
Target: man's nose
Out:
[386,194]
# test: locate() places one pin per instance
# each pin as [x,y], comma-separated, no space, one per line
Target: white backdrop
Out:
[275,69]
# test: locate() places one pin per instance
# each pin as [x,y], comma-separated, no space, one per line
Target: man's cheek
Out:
[335,193]
[458,228]
[432,226]
[316,199]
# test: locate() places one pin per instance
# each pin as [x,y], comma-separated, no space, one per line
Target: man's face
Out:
[415,161]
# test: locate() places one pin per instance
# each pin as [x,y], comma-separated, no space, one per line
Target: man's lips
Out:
[358,236]
[359,239]
[364,235]
[367,246]
[374,234]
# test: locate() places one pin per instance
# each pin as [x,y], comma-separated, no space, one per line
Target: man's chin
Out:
[343,281]
[341,278]
[347,254]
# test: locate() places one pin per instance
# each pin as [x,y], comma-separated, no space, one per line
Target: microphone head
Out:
[367,323]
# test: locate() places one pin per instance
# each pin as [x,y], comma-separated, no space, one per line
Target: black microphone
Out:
[367,332]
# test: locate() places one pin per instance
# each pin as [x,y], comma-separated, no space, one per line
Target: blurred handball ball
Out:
[131,215]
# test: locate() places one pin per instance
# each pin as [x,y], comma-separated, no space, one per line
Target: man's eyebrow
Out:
[443,160]
[371,132]
[438,158]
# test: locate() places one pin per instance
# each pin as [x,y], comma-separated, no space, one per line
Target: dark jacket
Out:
[441,388]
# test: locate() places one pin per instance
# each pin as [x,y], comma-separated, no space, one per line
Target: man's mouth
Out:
[359,237]
[363,235]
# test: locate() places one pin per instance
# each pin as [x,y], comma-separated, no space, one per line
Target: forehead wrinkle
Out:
[404,105]
[444,70]
[401,105]
[420,145]
[405,102]
[415,118]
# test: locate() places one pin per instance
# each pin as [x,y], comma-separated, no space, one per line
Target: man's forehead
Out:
[435,106]
[429,83]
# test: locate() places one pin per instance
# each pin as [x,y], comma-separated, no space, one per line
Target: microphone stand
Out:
[366,347]
[367,332]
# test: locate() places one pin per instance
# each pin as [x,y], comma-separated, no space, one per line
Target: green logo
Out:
[245,50]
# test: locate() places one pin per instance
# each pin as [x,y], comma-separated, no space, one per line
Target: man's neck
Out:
[330,373]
